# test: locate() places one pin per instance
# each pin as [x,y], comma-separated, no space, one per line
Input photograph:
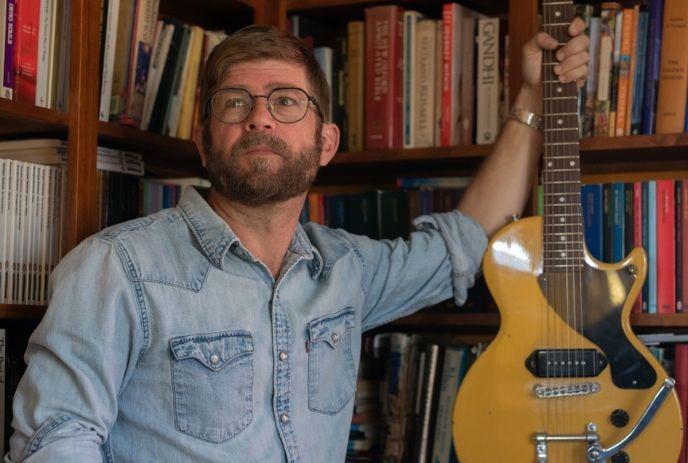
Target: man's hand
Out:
[573,57]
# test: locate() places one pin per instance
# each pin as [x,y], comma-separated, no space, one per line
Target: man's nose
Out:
[260,118]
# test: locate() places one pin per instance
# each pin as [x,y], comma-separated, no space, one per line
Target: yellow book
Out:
[190,83]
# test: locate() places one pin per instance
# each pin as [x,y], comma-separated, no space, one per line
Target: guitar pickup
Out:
[566,363]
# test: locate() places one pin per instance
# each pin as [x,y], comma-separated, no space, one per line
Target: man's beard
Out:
[255,185]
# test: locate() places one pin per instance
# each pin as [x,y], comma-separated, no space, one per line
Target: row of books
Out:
[35,37]
[404,80]
[620,216]
[638,73]
[379,214]
[31,213]
[150,67]
[404,401]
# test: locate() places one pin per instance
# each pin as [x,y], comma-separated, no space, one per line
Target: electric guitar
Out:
[565,380]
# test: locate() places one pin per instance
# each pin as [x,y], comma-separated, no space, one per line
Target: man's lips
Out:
[259,150]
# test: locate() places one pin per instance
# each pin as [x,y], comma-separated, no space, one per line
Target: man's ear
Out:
[330,143]
[198,141]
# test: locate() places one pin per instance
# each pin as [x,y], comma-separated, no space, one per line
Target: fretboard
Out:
[563,221]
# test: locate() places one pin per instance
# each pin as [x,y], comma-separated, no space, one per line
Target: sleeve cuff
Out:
[466,242]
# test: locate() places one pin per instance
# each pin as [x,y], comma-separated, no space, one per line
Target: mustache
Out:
[253,140]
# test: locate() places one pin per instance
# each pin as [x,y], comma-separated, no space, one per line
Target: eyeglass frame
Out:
[311,99]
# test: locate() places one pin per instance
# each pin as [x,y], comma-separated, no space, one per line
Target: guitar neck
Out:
[563,222]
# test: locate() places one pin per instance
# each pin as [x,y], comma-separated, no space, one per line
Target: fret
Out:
[557,81]
[561,114]
[562,204]
[557,3]
[579,233]
[577,193]
[562,266]
[555,24]
[563,215]
[561,170]
[560,98]
[561,143]
[553,63]
[554,156]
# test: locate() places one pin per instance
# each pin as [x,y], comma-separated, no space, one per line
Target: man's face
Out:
[260,160]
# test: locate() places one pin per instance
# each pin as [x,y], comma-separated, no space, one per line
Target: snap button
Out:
[283,356]
[335,338]
[214,359]
[284,418]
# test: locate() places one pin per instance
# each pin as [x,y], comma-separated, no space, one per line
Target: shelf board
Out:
[162,155]
[227,15]
[13,311]
[489,322]
[24,119]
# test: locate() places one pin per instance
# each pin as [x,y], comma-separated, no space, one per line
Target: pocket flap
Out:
[213,350]
[331,328]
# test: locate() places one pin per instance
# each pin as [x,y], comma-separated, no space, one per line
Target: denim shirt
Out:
[165,340]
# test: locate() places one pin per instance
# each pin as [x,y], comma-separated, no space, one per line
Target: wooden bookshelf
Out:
[460,321]
[24,312]
[20,119]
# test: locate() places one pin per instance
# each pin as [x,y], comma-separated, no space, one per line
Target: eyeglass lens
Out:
[285,104]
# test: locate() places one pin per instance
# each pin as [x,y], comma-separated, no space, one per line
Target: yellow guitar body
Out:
[497,413]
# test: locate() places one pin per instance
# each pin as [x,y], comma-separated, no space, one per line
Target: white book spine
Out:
[3,381]
[43,61]
[488,81]
[108,60]
[12,193]
[44,271]
[324,57]
[4,222]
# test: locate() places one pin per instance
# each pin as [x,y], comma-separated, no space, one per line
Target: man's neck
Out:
[266,231]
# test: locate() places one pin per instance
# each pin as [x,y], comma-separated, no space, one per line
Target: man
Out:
[222,330]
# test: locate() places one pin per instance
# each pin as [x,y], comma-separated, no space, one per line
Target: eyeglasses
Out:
[287,105]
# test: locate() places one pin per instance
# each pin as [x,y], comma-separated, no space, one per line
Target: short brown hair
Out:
[253,43]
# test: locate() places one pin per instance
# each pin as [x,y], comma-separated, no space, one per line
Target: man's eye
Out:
[235,103]
[285,101]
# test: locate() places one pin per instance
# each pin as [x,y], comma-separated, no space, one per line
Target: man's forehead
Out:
[265,75]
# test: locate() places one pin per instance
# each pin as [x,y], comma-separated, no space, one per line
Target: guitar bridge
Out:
[568,390]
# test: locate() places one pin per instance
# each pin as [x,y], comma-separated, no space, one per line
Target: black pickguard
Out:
[601,294]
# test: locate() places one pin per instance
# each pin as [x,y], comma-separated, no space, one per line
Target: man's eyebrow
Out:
[270,86]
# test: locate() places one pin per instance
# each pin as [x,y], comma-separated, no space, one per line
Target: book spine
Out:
[681,375]
[424,132]
[652,246]
[616,63]
[409,76]
[680,238]
[638,232]
[632,69]
[356,85]
[467,83]
[588,124]
[624,72]
[673,74]
[108,59]
[645,191]
[684,251]
[439,57]
[447,57]
[606,51]
[383,37]
[640,73]
[654,48]
[8,51]
[488,81]
[26,51]
[43,53]
[617,221]
[666,276]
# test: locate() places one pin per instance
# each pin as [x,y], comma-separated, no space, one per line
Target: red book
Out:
[384,77]
[681,376]
[684,255]
[26,50]
[452,18]
[638,232]
[666,248]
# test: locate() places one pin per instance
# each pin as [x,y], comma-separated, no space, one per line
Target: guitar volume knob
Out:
[621,457]
[619,418]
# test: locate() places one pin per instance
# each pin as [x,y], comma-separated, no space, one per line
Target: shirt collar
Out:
[216,237]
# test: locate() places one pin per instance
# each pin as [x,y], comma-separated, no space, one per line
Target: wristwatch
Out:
[526,117]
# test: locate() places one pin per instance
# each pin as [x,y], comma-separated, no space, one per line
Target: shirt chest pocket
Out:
[331,369]
[212,377]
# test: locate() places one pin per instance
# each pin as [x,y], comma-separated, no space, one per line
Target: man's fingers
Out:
[577,27]
[575,45]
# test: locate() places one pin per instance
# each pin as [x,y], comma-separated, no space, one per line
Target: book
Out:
[26,51]
[424,123]
[488,80]
[452,20]
[654,48]
[7,52]
[673,74]
[666,252]
[384,77]
[410,76]
[356,85]
[108,55]
[591,199]
[190,84]
[120,73]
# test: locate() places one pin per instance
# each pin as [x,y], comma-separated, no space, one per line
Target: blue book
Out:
[652,247]
[654,48]
[591,196]
[618,219]
[639,77]
[645,188]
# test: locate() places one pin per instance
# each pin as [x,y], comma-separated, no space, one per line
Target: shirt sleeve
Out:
[440,259]
[78,359]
